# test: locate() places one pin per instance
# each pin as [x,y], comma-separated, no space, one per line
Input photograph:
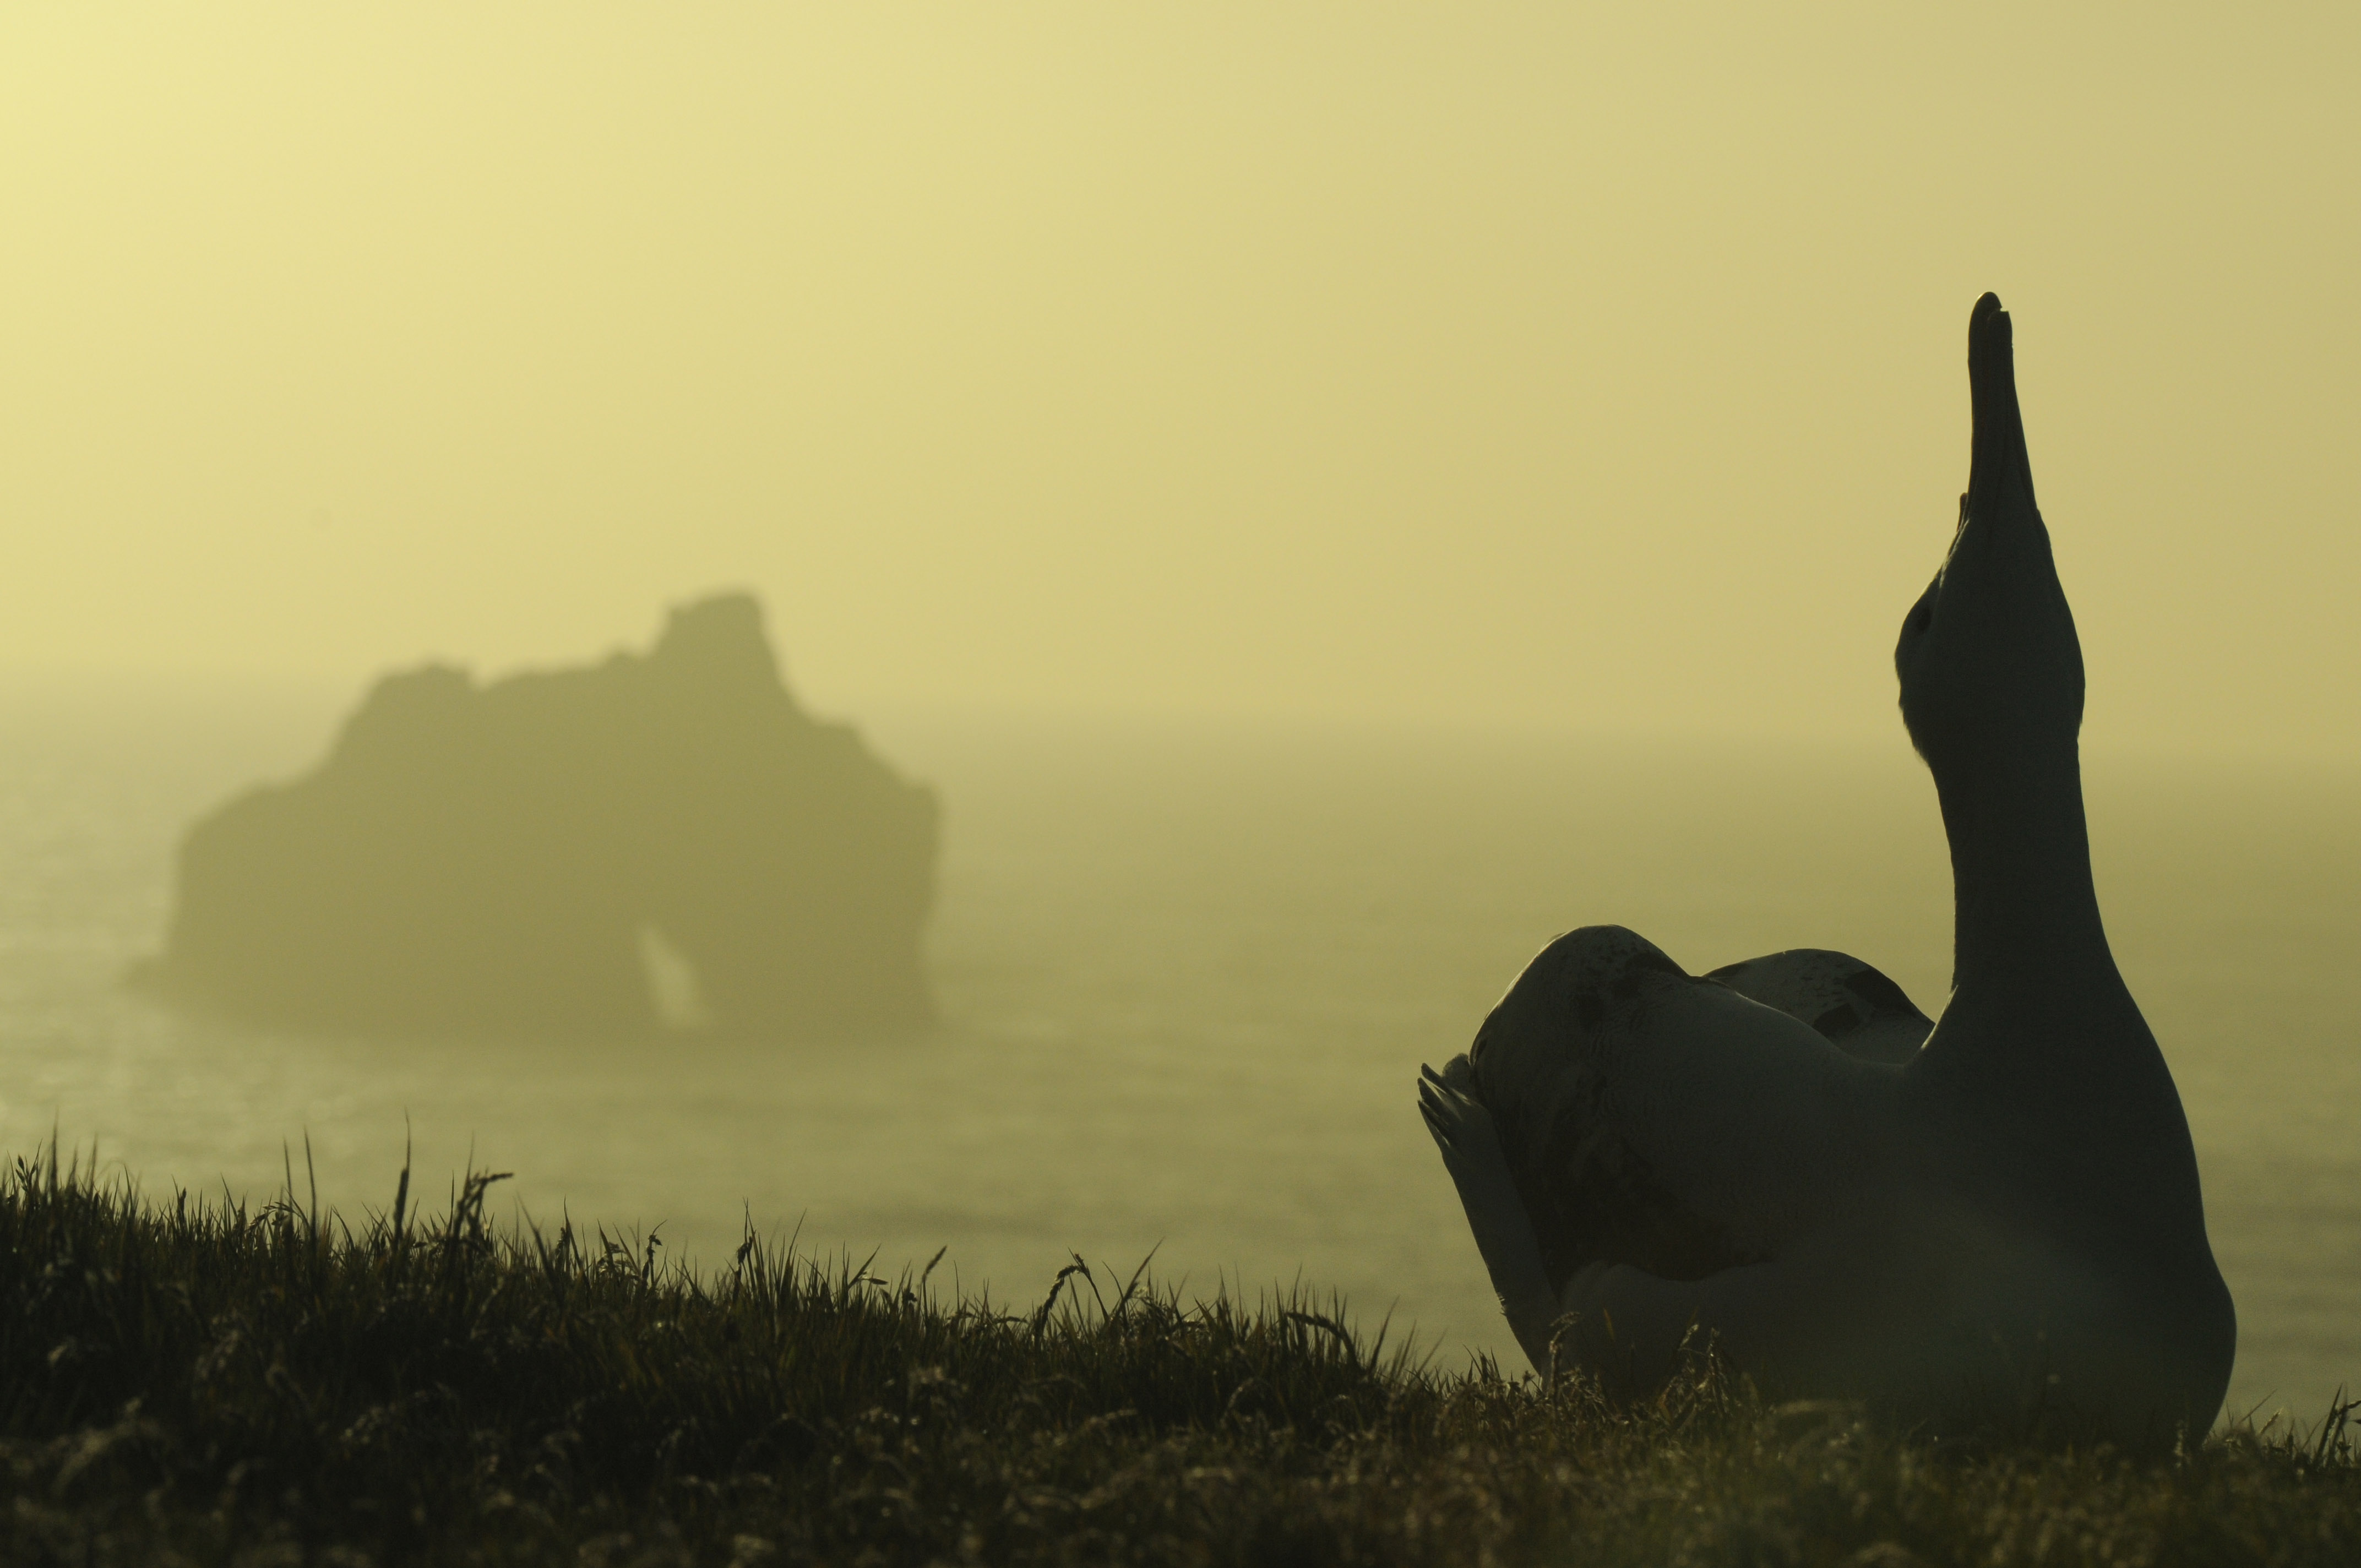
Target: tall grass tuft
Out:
[200,1380]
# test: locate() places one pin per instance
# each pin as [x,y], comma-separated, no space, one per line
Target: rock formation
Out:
[661,841]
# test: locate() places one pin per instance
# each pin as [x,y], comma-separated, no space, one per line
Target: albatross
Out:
[1983,1224]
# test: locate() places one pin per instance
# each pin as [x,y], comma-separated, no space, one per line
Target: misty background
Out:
[1550,366]
[1329,496]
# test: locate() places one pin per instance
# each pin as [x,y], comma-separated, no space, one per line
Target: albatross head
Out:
[1990,666]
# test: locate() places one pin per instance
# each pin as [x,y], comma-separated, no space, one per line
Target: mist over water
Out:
[1188,974]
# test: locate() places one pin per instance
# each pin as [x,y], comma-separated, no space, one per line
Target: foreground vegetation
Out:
[190,1380]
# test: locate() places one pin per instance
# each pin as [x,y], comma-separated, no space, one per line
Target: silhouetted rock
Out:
[662,839]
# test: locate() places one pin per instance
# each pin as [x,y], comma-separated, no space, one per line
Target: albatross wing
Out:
[1851,1004]
[1463,1131]
[1654,1125]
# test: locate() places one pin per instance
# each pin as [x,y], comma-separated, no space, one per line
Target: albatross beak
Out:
[2000,475]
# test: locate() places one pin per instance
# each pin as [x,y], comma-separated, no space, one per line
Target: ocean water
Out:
[1188,975]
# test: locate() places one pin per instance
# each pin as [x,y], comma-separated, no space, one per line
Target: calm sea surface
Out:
[1188,976]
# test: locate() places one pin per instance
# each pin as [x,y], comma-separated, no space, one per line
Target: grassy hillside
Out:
[191,1379]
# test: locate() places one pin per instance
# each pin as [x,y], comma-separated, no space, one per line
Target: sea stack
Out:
[663,841]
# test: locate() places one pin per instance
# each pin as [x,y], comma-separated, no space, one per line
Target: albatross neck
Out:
[2041,1047]
[2027,913]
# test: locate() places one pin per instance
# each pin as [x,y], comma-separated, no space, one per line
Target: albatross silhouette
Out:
[1978,1225]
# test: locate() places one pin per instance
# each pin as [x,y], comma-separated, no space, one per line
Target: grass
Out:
[196,1381]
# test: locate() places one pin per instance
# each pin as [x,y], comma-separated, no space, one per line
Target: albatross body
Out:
[1970,1225]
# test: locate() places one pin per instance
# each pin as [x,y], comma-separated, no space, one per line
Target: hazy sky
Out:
[1546,365]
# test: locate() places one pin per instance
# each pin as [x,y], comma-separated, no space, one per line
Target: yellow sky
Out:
[1543,364]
